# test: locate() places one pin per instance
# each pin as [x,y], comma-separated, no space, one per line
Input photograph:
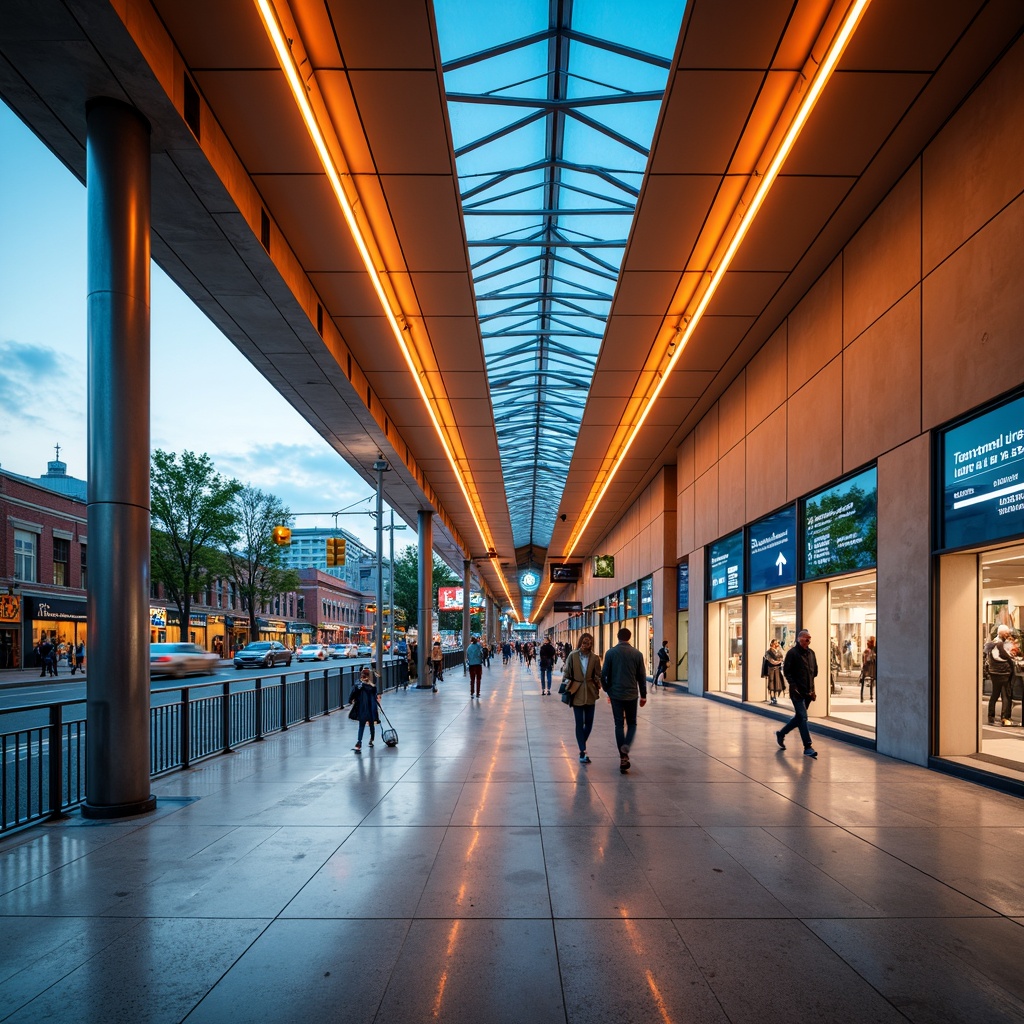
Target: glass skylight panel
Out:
[551,120]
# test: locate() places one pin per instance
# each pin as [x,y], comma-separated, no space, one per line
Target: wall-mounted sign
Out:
[631,601]
[983,477]
[569,607]
[683,586]
[771,551]
[10,608]
[725,567]
[647,596]
[451,599]
[841,527]
[529,581]
[524,627]
[566,572]
[604,567]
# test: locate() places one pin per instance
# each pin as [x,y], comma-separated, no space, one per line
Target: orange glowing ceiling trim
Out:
[369,251]
[728,246]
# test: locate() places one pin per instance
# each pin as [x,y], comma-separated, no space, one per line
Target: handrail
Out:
[42,760]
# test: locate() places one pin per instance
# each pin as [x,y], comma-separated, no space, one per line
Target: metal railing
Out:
[42,772]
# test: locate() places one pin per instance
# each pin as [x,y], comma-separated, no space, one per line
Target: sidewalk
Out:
[479,872]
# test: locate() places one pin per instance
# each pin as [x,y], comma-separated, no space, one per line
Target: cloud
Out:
[41,386]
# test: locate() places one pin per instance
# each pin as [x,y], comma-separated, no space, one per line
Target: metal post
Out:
[425,525]
[380,466]
[466,580]
[391,584]
[56,765]
[118,317]
[226,717]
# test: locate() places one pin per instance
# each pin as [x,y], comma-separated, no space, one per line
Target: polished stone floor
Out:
[478,873]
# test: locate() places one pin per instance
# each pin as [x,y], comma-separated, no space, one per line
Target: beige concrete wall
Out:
[919,319]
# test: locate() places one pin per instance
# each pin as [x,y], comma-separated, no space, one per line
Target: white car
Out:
[313,652]
[181,659]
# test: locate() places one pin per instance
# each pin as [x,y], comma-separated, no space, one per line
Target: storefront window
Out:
[25,556]
[851,651]
[732,646]
[1002,598]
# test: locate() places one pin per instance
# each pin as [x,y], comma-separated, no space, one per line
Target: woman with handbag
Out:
[771,671]
[364,705]
[581,677]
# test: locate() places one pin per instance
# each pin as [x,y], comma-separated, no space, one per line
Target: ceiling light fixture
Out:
[307,97]
[682,330]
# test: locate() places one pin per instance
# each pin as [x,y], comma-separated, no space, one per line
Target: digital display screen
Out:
[683,586]
[983,477]
[725,567]
[841,527]
[771,551]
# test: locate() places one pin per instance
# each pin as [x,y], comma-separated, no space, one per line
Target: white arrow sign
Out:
[780,562]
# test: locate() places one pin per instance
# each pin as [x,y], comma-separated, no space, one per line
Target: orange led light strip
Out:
[372,260]
[688,324]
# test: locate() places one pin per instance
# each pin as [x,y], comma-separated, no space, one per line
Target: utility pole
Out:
[380,466]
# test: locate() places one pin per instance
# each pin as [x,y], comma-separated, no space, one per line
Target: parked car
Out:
[180,659]
[263,654]
[336,650]
[364,651]
[313,652]
[351,650]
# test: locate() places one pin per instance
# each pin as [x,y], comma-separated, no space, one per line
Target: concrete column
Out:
[117,690]
[698,681]
[425,531]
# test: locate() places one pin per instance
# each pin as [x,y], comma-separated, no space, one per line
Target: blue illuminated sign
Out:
[983,477]
[771,551]
[683,586]
[841,527]
[725,567]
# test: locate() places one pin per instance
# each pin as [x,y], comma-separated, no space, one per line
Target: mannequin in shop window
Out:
[868,670]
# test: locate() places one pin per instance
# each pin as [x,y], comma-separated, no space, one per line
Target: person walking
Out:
[437,661]
[624,678]
[475,662]
[999,668]
[547,656]
[80,656]
[412,652]
[771,670]
[800,667]
[582,676]
[365,700]
[663,660]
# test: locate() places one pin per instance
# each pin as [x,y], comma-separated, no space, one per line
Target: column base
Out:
[119,810]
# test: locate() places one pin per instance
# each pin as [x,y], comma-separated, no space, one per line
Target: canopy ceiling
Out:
[543,193]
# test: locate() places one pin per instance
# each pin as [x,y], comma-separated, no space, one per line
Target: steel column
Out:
[118,318]
[425,580]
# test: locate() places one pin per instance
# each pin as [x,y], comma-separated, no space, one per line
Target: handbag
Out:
[563,687]
[567,697]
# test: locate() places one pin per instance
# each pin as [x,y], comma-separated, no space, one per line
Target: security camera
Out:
[562,517]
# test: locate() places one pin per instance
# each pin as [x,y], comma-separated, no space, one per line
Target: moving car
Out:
[313,652]
[180,659]
[364,651]
[336,650]
[351,650]
[263,654]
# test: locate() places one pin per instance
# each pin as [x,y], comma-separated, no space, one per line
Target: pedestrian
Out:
[582,676]
[475,661]
[624,678]
[800,667]
[365,700]
[999,669]
[437,661]
[80,656]
[412,652]
[663,660]
[771,671]
[72,662]
[869,670]
[547,656]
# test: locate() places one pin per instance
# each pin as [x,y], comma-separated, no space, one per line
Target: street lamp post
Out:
[380,466]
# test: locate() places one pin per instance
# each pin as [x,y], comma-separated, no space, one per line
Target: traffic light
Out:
[335,551]
[281,536]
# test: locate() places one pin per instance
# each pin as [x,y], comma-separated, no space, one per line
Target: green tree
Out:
[254,560]
[407,597]
[193,522]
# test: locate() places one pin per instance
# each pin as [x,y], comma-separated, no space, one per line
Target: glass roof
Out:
[553,104]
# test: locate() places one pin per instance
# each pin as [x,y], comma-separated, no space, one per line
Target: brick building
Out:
[43,562]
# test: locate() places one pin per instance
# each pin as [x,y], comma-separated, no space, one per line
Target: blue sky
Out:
[43,358]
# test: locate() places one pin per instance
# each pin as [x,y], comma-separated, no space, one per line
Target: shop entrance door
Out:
[852,617]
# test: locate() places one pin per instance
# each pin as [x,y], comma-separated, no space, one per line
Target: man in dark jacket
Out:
[800,669]
[624,678]
[547,663]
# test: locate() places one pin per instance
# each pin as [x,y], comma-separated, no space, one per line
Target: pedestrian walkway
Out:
[477,872]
